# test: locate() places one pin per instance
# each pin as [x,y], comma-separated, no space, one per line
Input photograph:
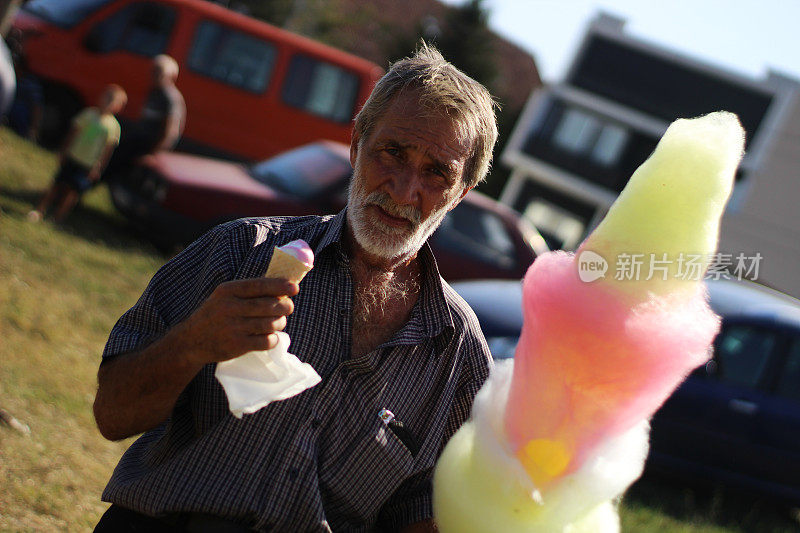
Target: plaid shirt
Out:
[324,459]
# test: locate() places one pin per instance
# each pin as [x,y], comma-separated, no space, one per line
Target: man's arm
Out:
[138,390]
[174,123]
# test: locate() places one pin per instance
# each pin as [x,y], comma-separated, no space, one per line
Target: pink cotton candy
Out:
[589,365]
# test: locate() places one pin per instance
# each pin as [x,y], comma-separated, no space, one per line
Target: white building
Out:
[577,143]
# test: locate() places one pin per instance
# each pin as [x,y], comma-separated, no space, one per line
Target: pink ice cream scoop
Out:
[300,250]
[291,261]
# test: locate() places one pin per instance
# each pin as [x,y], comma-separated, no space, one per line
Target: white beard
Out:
[380,239]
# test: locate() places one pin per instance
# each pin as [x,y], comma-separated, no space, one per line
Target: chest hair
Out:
[382,305]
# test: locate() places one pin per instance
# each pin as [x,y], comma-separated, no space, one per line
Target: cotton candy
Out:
[561,431]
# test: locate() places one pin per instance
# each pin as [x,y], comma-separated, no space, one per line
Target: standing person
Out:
[164,111]
[400,354]
[161,120]
[84,153]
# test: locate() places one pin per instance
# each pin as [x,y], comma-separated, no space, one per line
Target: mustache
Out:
[385,202]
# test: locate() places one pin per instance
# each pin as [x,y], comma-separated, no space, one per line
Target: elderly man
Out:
[401,356]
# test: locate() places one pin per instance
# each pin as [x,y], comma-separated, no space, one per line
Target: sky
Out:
[746,36]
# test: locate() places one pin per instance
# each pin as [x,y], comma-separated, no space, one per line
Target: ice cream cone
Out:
[286,266]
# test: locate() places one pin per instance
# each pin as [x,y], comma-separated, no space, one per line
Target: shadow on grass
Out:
[92,224]
[705,503]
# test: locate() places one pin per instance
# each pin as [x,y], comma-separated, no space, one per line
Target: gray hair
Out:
[442,87]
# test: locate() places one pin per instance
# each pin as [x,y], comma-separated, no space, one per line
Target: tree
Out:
[463,37]
[466,41]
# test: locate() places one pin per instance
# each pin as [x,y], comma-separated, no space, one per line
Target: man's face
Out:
[407,174]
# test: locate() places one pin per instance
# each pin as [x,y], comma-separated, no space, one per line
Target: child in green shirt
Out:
[84,154]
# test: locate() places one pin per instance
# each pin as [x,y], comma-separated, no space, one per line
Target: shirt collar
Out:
[433,308]
[334,234]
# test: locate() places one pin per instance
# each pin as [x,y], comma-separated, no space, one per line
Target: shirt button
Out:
[343,312]
[315,423]
[293,473]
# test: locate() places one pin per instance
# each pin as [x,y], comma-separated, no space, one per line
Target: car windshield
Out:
[64,13]
[474,232]
[303,172]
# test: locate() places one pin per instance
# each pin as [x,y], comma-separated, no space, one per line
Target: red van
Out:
[251,89]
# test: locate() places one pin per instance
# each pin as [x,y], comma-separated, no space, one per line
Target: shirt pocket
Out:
[375,465]
[405,436]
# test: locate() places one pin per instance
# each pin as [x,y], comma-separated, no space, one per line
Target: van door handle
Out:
[743,406]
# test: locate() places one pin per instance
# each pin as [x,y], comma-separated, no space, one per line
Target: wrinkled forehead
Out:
[411,110]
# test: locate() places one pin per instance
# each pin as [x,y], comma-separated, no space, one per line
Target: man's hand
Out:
[238,317]
[137,391]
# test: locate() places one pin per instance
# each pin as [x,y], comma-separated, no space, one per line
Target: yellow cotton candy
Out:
[479,486]
[671,208]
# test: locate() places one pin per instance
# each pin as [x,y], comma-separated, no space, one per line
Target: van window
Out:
[64,13]
[320,88]
[141,28]
[232,57]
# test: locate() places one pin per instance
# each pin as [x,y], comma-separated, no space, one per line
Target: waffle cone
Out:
[286,266]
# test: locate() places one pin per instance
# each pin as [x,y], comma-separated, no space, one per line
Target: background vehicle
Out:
[175,197]
[734,421]
[251,89]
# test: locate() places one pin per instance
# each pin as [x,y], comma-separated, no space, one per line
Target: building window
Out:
[320,88]
[585,135]
[232,57]
[608,147]
[576,131]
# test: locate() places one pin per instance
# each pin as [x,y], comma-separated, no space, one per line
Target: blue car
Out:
[736,420]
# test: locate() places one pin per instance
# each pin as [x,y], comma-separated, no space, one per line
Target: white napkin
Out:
[256,379]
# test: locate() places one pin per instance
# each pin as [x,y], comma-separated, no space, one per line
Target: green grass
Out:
[61,290]
[656,503]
